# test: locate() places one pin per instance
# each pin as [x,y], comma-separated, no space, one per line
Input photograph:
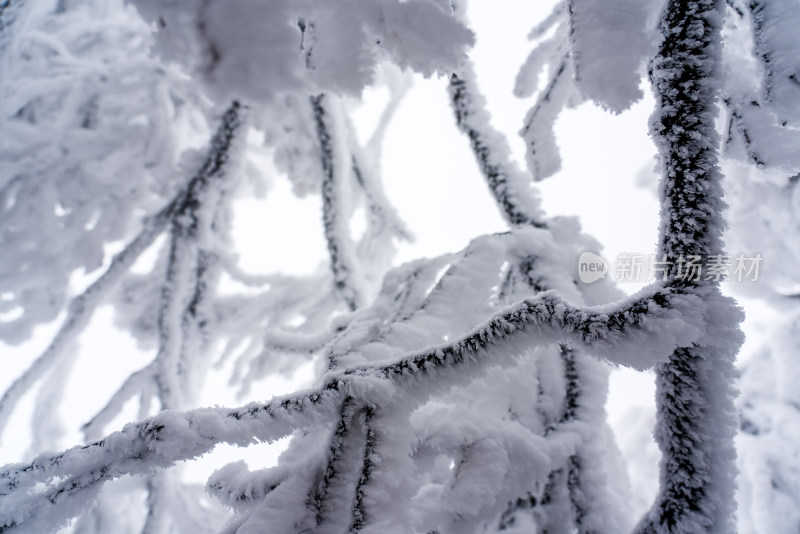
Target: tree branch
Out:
[651,324]
[82,306]
[511,188]
[542,154]
[336,233]
[359,510]
[695,422]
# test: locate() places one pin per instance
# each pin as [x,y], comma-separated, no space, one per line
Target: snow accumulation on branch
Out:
[336,166]
[82,306]
[638,333]
[509,185]
[576,485]
[440,327]
[695,384]
[696,419]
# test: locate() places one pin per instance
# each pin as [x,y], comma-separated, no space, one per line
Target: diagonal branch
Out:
[538,132]
[135,384]
[511,188]
[651,325]
[554,18]
[82,306]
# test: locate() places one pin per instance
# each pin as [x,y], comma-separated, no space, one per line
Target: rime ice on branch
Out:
[695,419]
[466,395]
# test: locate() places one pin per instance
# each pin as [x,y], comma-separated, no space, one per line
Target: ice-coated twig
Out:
[247,279]
[665,317]
[156,517]
[549,21]
[50,395]
[594,506]
[327,505]
[686,83]
[405,291]
[172,303]
[239,488]
[511,188]
[182,316]
[368,465]
[160,441]
[135,384]
[572,389]
[375,248]
[758,15]
[735,6]
[398,88]
[294,342]
[736,125]
[198,320]
[378,205]
[695,422]
[270,311]
[170,437]
[335,164]
[243,490]
[81,308]
[527,81]
[538,132]
[572,401]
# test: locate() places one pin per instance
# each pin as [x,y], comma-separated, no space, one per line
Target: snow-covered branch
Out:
[336,169]
[685,76]
[462,393]
[510,187]
[695,421]
[538,130]
[81,308]
[637,333]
